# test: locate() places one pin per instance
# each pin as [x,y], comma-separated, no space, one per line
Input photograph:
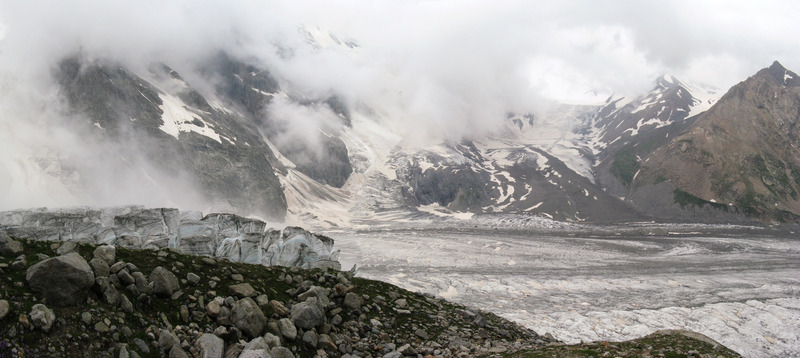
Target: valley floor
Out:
[739,286]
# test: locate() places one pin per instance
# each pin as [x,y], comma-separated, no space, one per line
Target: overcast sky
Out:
[555,46]
[448,69]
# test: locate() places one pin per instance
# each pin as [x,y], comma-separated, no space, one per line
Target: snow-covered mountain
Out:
[251,141]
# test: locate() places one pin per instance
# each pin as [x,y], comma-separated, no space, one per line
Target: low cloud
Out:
[436,70]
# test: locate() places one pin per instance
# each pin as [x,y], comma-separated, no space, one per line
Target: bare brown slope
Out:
[742,152]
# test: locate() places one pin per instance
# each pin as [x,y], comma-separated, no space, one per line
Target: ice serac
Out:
[157,115]
[228,236]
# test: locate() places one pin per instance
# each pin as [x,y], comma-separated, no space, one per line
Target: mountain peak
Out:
[777,66]
[781,74]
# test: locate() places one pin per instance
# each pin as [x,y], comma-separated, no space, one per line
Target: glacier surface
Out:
[736,285]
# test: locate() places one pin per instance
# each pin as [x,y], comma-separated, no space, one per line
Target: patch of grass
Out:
[659,344]
[625,166]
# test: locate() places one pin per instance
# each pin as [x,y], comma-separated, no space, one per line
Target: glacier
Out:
[737,285]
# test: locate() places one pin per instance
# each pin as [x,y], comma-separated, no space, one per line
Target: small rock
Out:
[192,278]
[248,317]
[242,290]
[67,247]
[184,314]
[20,263]
[86,317]
[272,340]
[99,267]
[393,354]
[237,277]
[42,317]
[101,327]
[177,352]
[125,278]
[9,247]
[352,301]
[308,314]
[287,329]
[421,334]
[310,339]
[164,282]
[325,342]
[213,309]
[167,340]
[210,346]
[107,253]
[117,266]
[281,352]
[262,300]
[125,304]
[278,308]
[401,303]
[5,309]
[123,352]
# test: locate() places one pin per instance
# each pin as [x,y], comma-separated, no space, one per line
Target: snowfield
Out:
[739,286]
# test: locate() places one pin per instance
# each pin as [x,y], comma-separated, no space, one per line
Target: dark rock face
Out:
[63,280]
[180,132]
[252,88]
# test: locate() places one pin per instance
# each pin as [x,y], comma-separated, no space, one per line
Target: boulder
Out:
[164,282]
[325,342]
[167,340]
[42,317]
[272,340]
[242,290]
[308,314]
[107,253]
[210,346]
[248,317]
[177,352]
[256,348]
[100,267]
[310,339]
[9,247]
[281,352]
[287,329]
[352,301]
[62,280]
[5,309]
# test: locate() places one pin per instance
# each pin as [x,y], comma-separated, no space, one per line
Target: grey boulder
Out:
[210,346]
[308,314]
[9,247]
[62,280]
[248,317]
[164,282]
[42,317]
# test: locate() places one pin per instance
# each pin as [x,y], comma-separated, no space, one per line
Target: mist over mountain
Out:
[301,112]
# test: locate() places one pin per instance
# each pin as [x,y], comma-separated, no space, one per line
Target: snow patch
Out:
[178,118]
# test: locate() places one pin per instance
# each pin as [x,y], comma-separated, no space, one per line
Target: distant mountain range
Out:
[681,152]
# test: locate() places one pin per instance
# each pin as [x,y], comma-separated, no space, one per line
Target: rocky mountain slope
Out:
[739,157]
[58,299]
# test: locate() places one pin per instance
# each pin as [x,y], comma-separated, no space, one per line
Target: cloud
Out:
[434,69]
